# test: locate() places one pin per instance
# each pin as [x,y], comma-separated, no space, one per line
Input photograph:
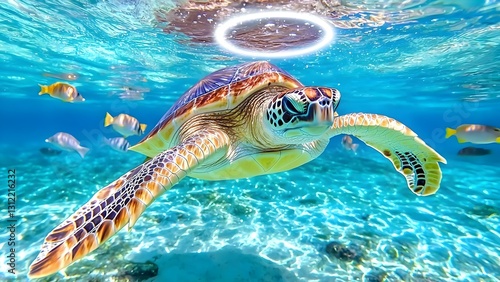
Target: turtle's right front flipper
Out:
[410,156]
[122,202]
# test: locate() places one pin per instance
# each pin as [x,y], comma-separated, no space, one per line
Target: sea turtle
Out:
[241,121]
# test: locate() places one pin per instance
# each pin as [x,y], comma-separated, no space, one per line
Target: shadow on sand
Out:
[226,264]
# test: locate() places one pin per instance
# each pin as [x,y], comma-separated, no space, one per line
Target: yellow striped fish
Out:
[125,125]
[119,144]
[475,133]
[62,91]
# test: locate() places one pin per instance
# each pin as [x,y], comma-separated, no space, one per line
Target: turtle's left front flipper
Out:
[418,162]
[123,201]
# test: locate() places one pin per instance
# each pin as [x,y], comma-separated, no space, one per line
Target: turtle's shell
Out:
[222,90]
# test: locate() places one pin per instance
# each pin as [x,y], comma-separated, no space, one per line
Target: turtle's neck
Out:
[254,129]
[245,123]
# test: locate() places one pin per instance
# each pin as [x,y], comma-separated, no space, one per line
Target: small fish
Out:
[348,145]
[67,142]
[49,151]
[475,133]
[473,151]
[119,143]
[131,95]
[62,91]
[139,89]
[125,125]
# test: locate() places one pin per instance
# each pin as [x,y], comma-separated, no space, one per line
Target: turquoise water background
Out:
[433,65]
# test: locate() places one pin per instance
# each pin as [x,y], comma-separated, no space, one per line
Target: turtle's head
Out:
[302,114]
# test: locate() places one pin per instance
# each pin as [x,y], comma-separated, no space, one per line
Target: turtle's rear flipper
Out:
[122,202]
[410,156]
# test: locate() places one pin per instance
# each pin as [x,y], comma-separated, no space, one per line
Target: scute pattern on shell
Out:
[209,85]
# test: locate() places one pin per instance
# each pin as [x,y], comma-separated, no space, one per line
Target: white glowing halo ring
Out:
[223,28]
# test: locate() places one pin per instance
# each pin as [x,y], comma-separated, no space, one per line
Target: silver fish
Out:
[67,142]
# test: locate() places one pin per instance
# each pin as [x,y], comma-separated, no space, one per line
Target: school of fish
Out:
[124,124]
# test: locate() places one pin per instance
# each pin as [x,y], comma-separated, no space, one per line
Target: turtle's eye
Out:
[292,105]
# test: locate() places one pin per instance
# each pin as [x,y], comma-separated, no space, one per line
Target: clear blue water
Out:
[430,64]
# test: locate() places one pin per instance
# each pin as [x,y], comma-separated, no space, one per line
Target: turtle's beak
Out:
[320,113]
[319,117]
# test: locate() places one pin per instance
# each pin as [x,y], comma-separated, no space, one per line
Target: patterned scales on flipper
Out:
[410,156]
[122,202]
